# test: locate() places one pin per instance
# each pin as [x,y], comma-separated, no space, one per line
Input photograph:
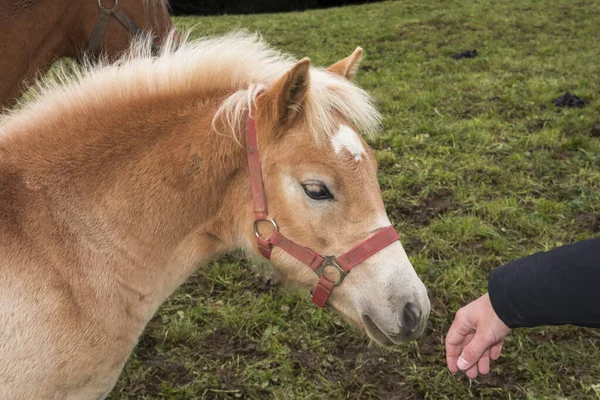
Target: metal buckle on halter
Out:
[330,261]
[256,222]
[104,8]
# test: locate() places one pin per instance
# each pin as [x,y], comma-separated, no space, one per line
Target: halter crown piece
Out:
[343,264]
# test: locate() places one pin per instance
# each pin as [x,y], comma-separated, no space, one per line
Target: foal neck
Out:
[148,194]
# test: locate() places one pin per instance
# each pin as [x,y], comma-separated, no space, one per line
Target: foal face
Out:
[326,197]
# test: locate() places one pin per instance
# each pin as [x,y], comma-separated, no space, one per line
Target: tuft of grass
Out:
[478,167]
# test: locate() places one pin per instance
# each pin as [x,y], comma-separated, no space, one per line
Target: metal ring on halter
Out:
[330,261]
[255,227]
[104,8]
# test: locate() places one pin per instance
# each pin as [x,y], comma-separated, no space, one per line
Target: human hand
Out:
[476,335]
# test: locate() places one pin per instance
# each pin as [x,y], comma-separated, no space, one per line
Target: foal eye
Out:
[317,191]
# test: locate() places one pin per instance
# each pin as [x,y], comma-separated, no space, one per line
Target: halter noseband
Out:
[343,264]
[102,24]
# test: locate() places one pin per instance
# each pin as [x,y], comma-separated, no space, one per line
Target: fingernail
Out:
[462,363]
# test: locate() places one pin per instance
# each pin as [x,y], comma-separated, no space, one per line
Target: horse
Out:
[119,184]
[35,33]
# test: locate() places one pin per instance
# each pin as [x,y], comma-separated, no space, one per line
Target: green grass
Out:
[477,168]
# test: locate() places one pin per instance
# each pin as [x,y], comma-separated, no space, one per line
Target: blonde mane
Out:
[239,63]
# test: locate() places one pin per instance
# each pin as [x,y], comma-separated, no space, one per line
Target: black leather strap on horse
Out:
[102,25]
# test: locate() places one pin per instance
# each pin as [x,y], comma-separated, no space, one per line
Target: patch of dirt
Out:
[589,221]
[265,285]
[220,344]
[437,204]
[229,383]
[224,344]
[493,380]
[349,352]
[465,54]
[595,131]
[430,345]
[196,286]
[496,379]
[306,359]
[160,368]
[569,100]
[356,365]
[146,349]
[413,246]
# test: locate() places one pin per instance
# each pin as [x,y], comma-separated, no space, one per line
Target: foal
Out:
[116,187]
[35,33]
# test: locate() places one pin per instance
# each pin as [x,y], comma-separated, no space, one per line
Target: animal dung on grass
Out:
[465,54]
[569,100]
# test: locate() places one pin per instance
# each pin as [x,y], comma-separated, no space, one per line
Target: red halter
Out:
[343,264]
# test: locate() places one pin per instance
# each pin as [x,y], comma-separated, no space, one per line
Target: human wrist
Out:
[500,299]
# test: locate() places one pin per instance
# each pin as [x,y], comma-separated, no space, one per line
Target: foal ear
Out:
[289,92]
[349,65]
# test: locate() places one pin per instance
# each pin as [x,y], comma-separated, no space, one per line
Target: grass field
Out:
[478,167]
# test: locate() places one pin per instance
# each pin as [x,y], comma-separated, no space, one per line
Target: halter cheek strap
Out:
[102,24]
[318,263]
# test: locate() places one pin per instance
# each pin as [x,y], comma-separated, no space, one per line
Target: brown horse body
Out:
[115,188]
[35,33]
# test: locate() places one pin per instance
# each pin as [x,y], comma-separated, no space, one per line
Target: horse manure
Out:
[465,54]
[569,100]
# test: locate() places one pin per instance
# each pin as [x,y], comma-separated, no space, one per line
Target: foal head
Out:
[323,193]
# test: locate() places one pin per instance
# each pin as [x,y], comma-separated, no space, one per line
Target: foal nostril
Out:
[410,317]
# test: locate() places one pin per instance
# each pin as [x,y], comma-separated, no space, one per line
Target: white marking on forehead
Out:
[346,138]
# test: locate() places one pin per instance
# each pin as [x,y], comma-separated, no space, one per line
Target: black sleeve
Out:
[561,286]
